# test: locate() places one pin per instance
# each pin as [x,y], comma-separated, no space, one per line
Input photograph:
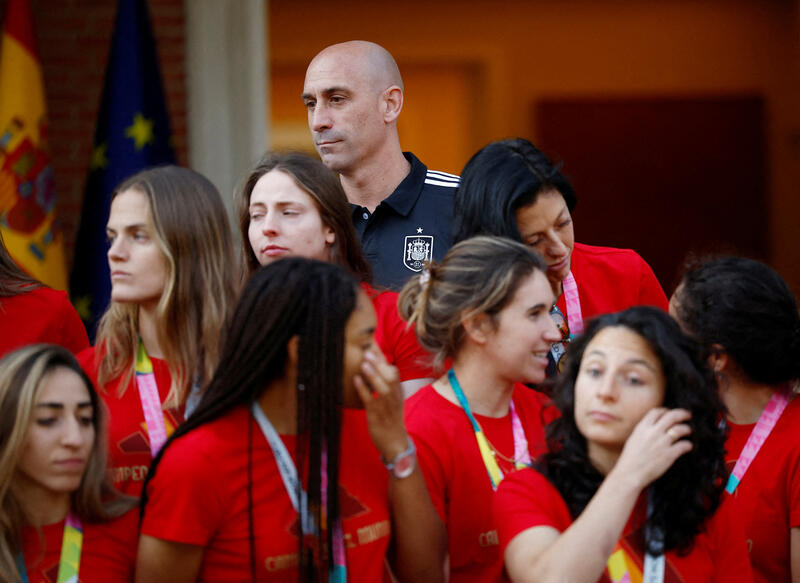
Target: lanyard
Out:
[70,561]
[151,402]
[573,302]
[621,566]
[653,564]
[522,457]
[291,481]
[766,422]
[570,326]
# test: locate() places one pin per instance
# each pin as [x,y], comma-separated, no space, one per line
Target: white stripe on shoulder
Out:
[440,183]
[443,175]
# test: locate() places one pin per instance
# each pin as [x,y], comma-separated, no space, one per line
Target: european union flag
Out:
[132,134]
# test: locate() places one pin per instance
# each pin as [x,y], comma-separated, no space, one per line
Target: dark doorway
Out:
[664,176]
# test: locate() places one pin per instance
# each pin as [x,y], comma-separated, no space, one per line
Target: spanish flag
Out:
[27,193]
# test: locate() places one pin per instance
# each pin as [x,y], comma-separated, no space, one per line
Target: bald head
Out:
[353,94]
[367,60]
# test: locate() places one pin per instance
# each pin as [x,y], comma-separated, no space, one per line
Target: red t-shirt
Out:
[456,476]
[108,552]
[129,446]
[40,315]
[397,340]
[198,496]
[610,280]
[768,497]
[719,554]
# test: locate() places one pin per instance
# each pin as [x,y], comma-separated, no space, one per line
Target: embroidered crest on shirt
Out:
[417,251]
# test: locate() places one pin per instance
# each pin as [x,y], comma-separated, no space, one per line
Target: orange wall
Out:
[494,59]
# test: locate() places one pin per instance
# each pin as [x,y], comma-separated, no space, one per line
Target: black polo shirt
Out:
[410,227]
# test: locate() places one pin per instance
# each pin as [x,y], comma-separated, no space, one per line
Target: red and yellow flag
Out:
[27,193]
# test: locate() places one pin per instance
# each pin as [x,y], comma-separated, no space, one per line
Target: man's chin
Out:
[333,162]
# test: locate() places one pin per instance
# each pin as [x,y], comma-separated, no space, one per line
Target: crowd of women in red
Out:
[525,410]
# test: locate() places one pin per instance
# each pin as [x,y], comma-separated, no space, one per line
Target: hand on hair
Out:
[654,445]
[378,385]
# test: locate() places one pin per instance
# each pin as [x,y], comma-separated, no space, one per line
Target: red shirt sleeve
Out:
[524,500]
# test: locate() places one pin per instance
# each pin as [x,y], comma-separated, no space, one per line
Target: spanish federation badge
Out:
[417,251]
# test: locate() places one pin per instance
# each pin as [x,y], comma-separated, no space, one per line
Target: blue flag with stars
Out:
[132,134]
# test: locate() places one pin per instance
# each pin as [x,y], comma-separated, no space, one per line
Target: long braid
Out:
[292,297]
[319,409]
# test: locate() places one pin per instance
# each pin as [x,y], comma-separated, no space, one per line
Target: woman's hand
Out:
[378,385]
[654,445]
[418,545]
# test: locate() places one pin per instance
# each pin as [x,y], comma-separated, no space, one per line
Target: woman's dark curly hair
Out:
[745,306]
[690,490]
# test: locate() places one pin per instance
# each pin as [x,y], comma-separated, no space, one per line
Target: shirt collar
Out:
[405,196]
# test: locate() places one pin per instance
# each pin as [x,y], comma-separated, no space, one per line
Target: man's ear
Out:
[478,327]
[392,102]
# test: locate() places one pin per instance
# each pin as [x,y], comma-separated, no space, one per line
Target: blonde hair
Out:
[22,373]
[477,276]
[191,228]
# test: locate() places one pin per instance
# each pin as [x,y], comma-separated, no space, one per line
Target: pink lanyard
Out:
[573,302]
[151,402]
[766,422]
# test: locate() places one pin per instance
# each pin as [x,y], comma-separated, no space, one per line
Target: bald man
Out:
[401,210]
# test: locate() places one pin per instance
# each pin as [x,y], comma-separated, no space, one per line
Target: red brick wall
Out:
[74,38]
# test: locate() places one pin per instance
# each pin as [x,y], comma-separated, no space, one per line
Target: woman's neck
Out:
[745,400]
[279,403]
[602,458]
[487,392]
[41,506]
[148,331]
[558,289]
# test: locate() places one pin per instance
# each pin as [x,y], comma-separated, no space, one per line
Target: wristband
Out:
[404,462]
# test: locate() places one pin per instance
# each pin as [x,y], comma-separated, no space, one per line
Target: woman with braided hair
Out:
[278,474]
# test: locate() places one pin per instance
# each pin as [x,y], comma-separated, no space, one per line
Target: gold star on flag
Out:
[99,159]
[141,131]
